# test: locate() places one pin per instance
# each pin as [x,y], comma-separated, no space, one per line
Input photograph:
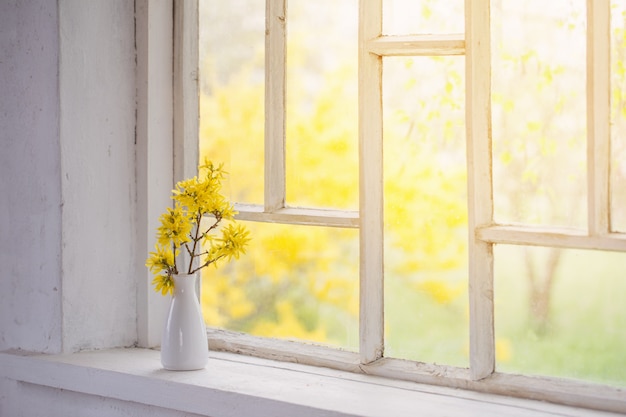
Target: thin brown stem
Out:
[175,268]
[207,263]
[195,242]
[188,250]
[218,219]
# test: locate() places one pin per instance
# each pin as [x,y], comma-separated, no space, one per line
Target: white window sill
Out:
[242,386]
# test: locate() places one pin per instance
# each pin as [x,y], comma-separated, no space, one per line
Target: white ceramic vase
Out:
[184,344]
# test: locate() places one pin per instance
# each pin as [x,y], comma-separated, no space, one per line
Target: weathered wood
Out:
[555,390]
[551,236]
[299,215]
[370,185]
[417,45]
[482,232]
[186,110]
[154,40]
[186,98]
[598,115]
[480,194]
[283,350]
[237,386]
[275,61]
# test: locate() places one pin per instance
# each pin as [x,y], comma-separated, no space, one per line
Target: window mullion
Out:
[154,38]
[186,100]
[275,63]
[598,115]
[480,194]
[186,111]
[370,184]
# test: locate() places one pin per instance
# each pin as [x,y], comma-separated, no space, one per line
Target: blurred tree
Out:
[302,281]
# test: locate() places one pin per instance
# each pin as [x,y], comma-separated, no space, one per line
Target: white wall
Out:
[30,177]
[97,125]
[68,211]
[67,191]
[40,401]
[67,169]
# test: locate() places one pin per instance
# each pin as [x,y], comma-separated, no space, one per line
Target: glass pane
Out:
[539,111]
[232,42]
[294,282]
[561,312]
[410,17]
[322,81]
[618,116]
[425,222]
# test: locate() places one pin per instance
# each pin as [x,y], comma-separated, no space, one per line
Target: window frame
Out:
[167,133]
[484,233]
[154,151]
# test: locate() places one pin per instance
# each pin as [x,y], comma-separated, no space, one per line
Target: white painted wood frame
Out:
[275,63]
[299,215]
[371,318]
[598,115]
[274,209]
[558,237]
[475,44]
[186,100]
[479,182]
[154,156]
[186,97]
[129,382]
[417,45]
[167,133]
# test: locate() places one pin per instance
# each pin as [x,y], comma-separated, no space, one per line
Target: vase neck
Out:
[184,283]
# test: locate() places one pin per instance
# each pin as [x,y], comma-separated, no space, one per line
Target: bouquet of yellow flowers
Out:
[185,226]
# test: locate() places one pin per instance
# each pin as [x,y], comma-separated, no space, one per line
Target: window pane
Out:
[232,42]
[322,139]
[410,17]
[425,210]
[561,313]
[618,116]
[294,282]
[539,111]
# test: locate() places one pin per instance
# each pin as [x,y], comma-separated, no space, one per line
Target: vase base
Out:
[193,367]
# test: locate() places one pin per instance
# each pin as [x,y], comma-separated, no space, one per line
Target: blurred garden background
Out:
[558,312]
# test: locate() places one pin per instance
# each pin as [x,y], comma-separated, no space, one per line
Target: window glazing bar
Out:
[418,45]
[299,215]
[186,101]
[275,63]
[598,115]
[370,185]
[558,237]
[480,194]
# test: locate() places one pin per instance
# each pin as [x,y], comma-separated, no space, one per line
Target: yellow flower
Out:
[233,241]
[162,260]
[163,284]
[195,198]
[227,211]
[201,195]
[175,227]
